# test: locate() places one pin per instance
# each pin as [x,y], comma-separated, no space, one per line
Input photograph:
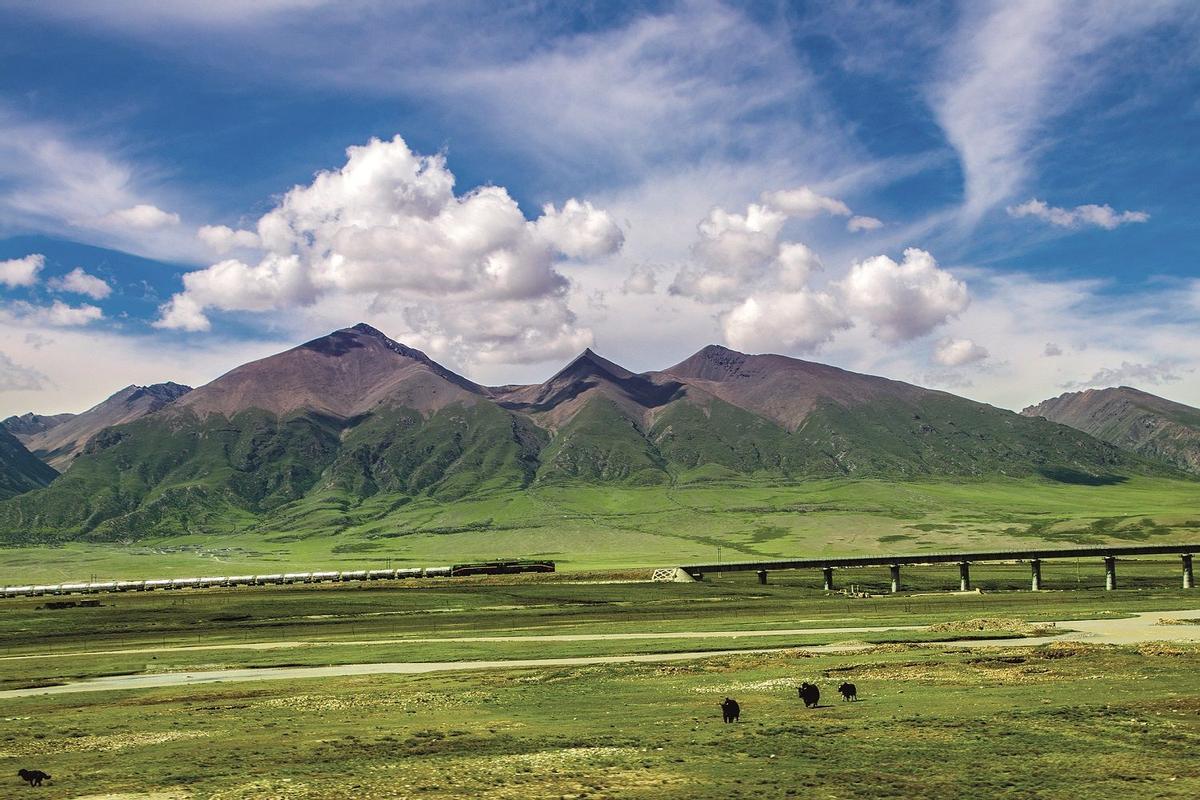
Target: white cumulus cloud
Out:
[221,238]
[79,282]
[21,271]
[388,229]
[857,224]
[957,352]
[1101,216]
[641,280]
[58,314]
[143,216]
[804,203]
[579,230]
[16,377]
[906,300]
[737,253]
[797,321]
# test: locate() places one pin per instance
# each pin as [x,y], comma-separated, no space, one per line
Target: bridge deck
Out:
[821,562]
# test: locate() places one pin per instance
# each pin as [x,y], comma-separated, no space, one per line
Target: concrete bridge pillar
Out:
[1110,572]
[895,578]
[964,576]
[827,578]
[762,577]
[1189,580]
[1035,575]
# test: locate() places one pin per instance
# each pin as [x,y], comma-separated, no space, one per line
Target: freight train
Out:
[501,568]
[277,579]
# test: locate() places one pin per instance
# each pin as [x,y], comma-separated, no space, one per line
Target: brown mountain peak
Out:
[344,373]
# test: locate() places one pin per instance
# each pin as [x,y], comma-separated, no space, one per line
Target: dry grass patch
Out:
[99,744]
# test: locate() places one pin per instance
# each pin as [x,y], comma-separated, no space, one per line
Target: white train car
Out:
[214,581]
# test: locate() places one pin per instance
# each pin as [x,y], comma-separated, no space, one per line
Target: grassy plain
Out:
[440,620]
[586,527]
[1059,720]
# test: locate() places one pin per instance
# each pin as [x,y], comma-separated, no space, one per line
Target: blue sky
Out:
[997,199]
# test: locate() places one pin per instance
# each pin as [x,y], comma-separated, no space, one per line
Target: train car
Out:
[297,577]
[185,583]
[73,588]
[354,575]
[45,588]
[18,591]
[501,568]
[381,574]
[436,572]
[414,572]
[324,577]
[240,580]
[212,581]
[156,583]
[102,586]
[130,586]
[263,580]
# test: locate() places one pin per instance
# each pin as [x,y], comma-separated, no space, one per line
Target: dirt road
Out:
[1142,627]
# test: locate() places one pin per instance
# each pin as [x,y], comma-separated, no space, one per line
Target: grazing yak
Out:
[849,691]
[810,694]
[730,710]
[34,776]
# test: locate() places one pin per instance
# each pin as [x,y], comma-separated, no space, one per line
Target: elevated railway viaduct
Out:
[827,564]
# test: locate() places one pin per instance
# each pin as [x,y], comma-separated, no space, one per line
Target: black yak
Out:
[730,710]
[810,694]
[34,776]
[849,691]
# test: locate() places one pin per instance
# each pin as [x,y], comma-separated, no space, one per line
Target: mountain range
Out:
[1131,419]
[355,419]
[57,439]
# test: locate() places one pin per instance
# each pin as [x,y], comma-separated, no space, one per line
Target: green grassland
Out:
[1049,721]
[584,527]
[441,620]
[1065,722]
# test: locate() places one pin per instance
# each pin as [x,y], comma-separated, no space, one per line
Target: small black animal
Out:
[810,694]
[730,710]
[849,691]
[34,776]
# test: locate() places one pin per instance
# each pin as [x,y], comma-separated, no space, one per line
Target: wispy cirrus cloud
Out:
[1157,373]
[58,182]
[1013,67]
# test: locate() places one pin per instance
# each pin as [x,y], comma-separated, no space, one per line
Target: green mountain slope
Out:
[20,470]
[350,427]
[1134,420]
